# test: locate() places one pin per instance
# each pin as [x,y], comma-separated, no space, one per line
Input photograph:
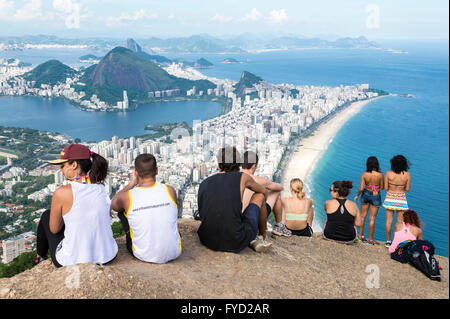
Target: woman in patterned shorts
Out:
[397,181]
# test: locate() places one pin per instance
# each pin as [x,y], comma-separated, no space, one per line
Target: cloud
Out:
[63,5]
[69,11]
[278,17]
[32,9]
[5,6]
[138,15]
[254,15]
[220,18]
[125,18]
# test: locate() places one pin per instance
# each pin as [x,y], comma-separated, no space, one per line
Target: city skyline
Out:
[376,20]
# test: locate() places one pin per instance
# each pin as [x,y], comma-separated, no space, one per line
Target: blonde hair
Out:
[297,187]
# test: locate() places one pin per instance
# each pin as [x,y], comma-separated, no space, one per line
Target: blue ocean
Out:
[417,127]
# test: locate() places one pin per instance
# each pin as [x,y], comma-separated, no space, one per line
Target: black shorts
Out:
[269,209]
[306,232]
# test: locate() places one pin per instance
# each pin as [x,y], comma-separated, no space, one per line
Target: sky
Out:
[376,19]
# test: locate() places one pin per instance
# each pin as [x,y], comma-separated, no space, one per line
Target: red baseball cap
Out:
[72,152]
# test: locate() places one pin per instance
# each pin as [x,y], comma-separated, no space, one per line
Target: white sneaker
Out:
[259,244]
[281,230]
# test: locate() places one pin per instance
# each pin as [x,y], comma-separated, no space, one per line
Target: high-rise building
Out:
[129,157]
[195,175]
[12,248]
[132,142]
[125,100]
[59,177]
[108,185]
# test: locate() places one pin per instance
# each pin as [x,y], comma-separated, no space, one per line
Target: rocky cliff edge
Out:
[295,267]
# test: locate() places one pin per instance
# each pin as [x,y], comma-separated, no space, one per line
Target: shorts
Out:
[367,197]
[395,201]
[269,209]
[307,231]
[252,214]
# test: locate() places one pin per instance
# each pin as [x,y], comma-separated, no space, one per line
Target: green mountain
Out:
[155,58]
[230,60]
[203,63]
[183,61]
[121,69]
[51,72]
[246,82]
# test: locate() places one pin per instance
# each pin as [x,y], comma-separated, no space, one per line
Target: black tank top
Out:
[340,224]
[223,226]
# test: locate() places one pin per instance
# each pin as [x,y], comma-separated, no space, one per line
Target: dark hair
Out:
[412,218]
[372,164]
[250,158]
[343,187]
[229,159]
[145,165]
[399,164]
[97,168]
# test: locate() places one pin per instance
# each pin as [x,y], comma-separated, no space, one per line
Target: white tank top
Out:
[88,236]
[152,217]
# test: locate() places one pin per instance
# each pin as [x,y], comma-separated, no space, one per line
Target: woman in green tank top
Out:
[298,211]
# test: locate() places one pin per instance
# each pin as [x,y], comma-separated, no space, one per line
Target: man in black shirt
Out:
[224,227]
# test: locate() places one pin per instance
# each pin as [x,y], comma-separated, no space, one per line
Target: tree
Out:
[19,264]
[117,229]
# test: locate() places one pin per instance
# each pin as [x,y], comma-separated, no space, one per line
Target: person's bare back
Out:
[249,193]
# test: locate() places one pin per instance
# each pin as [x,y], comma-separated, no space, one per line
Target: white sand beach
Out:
[310,149]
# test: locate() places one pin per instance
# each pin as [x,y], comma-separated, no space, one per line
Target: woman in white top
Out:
[77,228]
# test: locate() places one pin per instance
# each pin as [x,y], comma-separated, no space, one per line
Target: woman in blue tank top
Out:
[342,214]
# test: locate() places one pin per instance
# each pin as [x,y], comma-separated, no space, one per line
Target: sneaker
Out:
[363,238]
[388,244]
[39,259]
[281,230]
[259,244]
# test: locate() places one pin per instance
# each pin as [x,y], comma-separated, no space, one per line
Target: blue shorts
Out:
[367,197]
[252,214]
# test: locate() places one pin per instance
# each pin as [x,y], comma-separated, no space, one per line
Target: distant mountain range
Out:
[197,43]
[132,45]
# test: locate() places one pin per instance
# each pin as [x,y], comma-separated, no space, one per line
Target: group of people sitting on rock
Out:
[233,205]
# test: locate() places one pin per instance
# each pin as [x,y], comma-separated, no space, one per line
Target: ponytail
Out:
[99,169]
[343,187]
[297,188]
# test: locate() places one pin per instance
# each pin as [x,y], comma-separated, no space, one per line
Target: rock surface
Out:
[294,268]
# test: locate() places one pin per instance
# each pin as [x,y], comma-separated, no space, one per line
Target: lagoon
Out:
[57,115]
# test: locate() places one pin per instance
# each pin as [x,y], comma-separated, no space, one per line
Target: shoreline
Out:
[309,150]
